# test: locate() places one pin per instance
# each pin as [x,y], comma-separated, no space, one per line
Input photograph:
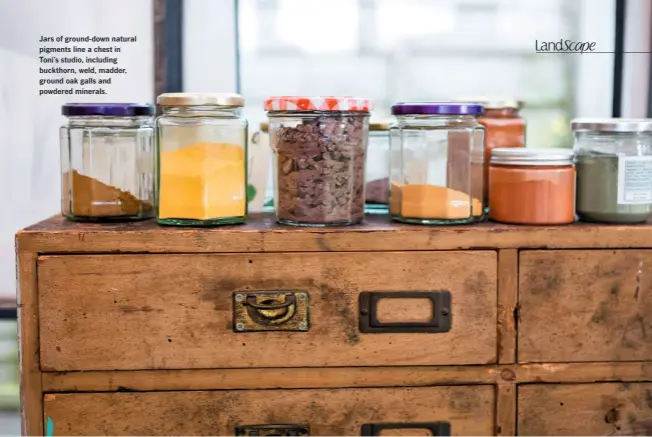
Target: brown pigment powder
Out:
[88,197]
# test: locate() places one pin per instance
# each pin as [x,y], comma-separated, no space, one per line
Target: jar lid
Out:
[611,125]
[507,103]
[107,109]
[289,103]
[531,156]
[379,126]
[200,99]
[437,108]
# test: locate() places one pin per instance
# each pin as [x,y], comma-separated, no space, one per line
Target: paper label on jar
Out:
[634,180]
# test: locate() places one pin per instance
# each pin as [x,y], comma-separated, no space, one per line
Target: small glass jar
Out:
[532,186]
[504,127]
[377,169]
[107,161]
[614,169]
[262,181]
[202,160]
[320,145]
[436,163]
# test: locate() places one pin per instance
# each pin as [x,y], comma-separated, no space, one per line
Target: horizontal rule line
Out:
[584,53]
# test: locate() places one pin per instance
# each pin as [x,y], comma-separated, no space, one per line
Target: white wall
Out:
[29,124]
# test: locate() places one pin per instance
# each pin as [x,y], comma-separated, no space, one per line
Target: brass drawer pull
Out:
[435,428]
[272,430]
[271,311]
[440,320]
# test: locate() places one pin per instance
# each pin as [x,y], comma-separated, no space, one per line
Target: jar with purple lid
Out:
[107,161]
[436,163]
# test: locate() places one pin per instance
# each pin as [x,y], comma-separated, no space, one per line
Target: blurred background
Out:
[388,50]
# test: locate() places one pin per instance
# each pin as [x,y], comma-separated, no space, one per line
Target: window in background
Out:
[392,50]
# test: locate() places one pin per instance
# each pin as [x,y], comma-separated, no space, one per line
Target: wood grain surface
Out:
[31,407]
[585,409]
[585,305]
[125,312]
[328,412]
[262,234]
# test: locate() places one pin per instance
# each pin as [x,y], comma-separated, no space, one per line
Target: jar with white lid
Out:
[202,159]
[532,186]
[107,161]
[614,169]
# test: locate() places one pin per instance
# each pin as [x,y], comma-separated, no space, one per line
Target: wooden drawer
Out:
[104,312]
[585,409]
[585,305]
[468,411]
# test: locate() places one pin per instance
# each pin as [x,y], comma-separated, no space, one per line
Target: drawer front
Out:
[585,305]
[328,412]
[105,312]
[585,409]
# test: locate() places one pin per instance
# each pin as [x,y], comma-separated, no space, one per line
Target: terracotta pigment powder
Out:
[532,186]
[87,197]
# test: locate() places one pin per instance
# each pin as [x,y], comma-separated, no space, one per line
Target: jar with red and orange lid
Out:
[320,145]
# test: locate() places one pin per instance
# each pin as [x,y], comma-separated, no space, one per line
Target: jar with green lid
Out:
[614,169]
[377,169]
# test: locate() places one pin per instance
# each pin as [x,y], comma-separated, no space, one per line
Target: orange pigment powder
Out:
[532,195]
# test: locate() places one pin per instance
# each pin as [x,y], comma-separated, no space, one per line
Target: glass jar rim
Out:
[523,156]
[609,125]
[225,100]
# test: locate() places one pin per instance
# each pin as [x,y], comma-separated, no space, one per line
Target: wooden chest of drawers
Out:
[135,329]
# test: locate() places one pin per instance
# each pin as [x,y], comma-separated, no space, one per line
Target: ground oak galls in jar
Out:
[320,145]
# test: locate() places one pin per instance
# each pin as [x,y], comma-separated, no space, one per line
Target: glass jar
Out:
[202,160]
[377,169]
[320,145]
[107,161]
[532,186]
[436,163]
[614,169]
[262,180]
[504,127]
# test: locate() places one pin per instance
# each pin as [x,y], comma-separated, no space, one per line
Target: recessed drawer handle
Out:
[272,430]
[440,320]
[271,311]
[435,428]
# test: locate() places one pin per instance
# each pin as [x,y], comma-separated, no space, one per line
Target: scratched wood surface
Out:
[328,412]
[31,407]
[585,409]
[585,306]
[262,234]
[106,312]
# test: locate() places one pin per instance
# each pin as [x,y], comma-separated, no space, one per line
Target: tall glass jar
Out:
[504,127]
[614,169]
[320,145]
[377,170]
[107,161]
[436,163]
[202,160]
[262,181]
